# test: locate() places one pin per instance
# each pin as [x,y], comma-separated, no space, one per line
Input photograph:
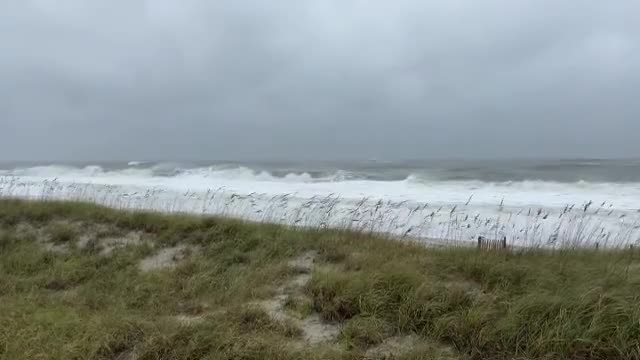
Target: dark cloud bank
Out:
[318,79]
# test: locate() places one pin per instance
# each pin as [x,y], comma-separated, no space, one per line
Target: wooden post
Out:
[479,242]
[597,245]
[504,242]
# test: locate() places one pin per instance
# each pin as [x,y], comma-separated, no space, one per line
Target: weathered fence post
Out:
[480,242]
[504,242]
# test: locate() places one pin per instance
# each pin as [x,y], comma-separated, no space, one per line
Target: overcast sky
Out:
[318,79]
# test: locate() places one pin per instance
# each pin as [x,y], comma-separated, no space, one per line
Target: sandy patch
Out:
[300,281]
[275,307]
[396,346]
[392,347]
[24,229]
[39,234]
[304,263]
[56,248]
[314,330]
[109,244]
[189,320]
[128,355]
[87,236]
[165,258]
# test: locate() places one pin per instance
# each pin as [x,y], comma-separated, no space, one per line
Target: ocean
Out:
[531,202]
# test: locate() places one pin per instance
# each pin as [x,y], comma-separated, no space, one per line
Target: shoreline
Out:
[454,225]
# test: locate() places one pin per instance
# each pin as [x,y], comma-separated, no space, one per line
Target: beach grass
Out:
[80,281]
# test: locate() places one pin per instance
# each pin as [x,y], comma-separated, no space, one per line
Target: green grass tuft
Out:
[455,302]
[62,233]
[364,332]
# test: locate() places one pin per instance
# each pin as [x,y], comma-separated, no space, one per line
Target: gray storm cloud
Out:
[318,79]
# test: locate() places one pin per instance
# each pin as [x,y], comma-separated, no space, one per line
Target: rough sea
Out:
[531,202]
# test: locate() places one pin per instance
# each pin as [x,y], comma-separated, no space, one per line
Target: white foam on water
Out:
[244,180]
[410,206]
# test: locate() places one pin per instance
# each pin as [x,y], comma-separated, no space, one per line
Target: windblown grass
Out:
[454,302]
[585,225]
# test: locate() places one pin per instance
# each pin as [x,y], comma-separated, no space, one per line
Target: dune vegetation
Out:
[80,281]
